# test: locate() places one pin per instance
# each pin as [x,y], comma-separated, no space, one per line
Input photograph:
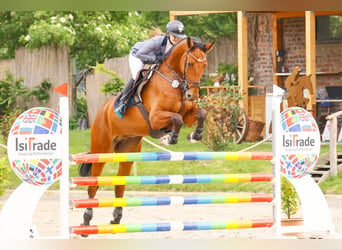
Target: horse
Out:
[169,100]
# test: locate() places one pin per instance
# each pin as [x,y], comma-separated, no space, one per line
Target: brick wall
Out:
[328,55]
[293,40]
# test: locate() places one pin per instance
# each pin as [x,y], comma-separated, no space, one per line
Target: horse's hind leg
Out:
[96,170]
[100,142]
[124,170]
[130,144]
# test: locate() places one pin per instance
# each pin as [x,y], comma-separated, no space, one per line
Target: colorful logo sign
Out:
[34,146]
[301,142]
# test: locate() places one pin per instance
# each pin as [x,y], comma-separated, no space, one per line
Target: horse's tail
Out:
[84,169]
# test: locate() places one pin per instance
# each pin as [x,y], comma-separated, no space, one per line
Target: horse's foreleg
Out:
[167,120]
[196,136]
[177,123]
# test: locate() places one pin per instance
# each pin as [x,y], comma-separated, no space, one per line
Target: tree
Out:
[210,26]
[206,26]
[91,36]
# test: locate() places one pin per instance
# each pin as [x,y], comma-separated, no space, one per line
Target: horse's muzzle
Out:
[191,94]
[191,97]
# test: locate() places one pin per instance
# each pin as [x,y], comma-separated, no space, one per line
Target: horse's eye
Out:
[190,64]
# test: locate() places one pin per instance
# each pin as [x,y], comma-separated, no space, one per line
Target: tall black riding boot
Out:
[126,93]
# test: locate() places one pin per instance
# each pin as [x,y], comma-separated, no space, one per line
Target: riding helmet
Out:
[176,28]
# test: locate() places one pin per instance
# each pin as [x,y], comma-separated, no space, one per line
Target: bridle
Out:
[200,60]
[182,81]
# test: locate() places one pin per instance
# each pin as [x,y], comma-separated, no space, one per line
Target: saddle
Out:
[135,99]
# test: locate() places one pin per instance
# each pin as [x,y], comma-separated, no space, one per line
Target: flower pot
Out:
[292,222]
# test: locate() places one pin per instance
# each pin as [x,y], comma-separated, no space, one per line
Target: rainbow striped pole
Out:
[163,227]
[171,200]
[171,156]
[170,179]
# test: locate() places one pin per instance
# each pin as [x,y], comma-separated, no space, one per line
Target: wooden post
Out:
[277,44]
[310,40]
[172,16]
[333,142]
[243,57]
[333,146]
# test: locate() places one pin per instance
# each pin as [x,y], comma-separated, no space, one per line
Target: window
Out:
[328,29]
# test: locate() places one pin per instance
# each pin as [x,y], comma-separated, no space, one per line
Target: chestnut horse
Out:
[170,100]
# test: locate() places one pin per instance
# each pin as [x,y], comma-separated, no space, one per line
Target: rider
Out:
[151,51]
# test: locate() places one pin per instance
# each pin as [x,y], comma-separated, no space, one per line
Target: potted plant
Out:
[289,203]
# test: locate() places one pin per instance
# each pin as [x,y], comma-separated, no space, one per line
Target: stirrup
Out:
[120,111]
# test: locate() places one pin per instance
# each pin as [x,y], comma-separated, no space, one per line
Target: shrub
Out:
[81,107]
[289,198]
[40,91]
[222,118]
[11,91]
[14,96]
[114,84]
[4,170]
[7,120]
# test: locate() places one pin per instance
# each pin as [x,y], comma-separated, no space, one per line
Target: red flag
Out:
[62,89]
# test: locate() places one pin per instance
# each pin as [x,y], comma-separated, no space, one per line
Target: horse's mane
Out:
[198,44]
[196,41]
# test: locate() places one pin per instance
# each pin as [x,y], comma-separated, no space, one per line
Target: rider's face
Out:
[174,39]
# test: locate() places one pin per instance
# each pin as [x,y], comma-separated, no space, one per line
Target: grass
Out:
[80,142]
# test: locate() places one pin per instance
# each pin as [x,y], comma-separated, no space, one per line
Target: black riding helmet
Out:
[176,28]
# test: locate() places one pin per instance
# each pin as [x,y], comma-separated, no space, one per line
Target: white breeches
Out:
[135,64]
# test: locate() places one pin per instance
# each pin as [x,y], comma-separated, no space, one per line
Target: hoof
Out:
[115,221]
[173,140]
[117,215]
[84,235]
[164,140]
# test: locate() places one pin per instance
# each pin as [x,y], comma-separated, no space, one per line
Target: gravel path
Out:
[46,217]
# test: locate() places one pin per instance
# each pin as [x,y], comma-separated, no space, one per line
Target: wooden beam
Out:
[287,14]
[187,13]
[310,41]
[243,57]
[276,45]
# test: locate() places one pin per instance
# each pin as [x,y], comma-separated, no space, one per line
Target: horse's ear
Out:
[189,42]
[209,46]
